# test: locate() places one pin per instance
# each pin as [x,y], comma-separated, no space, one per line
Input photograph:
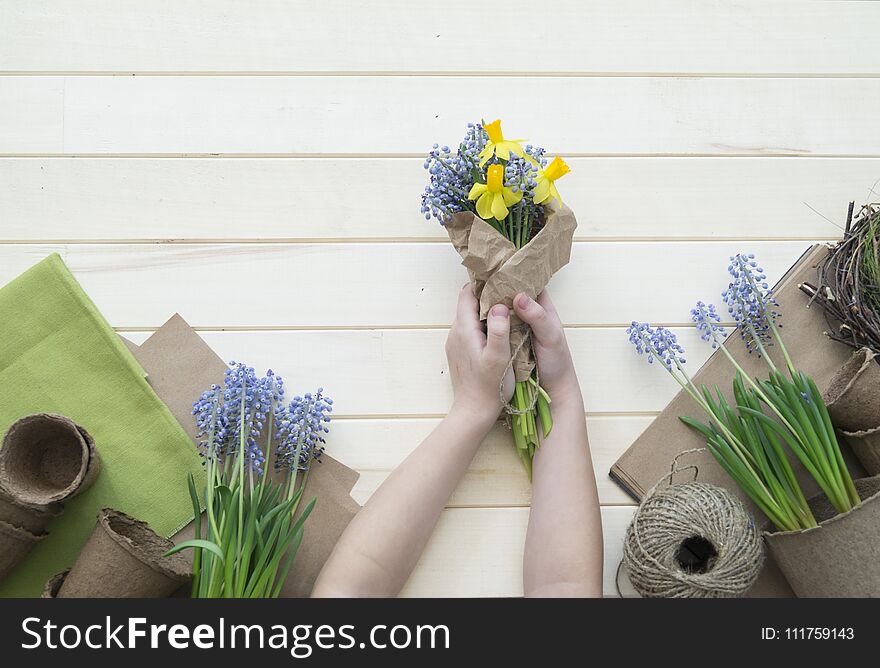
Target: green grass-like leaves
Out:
[250,539]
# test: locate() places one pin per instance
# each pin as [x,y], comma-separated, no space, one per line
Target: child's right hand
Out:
[555,365]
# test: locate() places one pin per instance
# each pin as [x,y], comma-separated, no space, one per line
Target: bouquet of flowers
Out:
[769,417]
[500,206]
[252,529]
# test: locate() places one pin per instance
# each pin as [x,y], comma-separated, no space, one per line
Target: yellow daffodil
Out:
[498,145]
[546,181]
[493,197]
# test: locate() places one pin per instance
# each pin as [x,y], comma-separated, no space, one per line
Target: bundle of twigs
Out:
[849,281]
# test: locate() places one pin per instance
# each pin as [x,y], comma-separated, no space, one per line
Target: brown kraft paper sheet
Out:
[499,272]
[179,367]
[648,459]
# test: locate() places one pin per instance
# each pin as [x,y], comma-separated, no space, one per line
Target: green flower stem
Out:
[688,385]
[775,503]
[240,456]
[817,448]
[516,228]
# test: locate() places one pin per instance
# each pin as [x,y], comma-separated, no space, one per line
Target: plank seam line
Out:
[524,506]
[247,329]
[431,74]
[220,155]
[341,241]
[395,417]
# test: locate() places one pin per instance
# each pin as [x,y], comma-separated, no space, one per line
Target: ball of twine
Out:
[673,519]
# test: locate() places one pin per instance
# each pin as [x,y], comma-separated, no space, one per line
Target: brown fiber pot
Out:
[50,589]
[866,446]
[123,559]
[31,518]
[841,557]
[47,458]
[853,396]
[15,544]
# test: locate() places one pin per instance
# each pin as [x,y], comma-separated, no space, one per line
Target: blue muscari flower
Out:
[656,343]
[706,318]
[451,174]
[302,431]
[750,301]
[240,408]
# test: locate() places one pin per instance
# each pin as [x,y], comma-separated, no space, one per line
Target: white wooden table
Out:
[179,154]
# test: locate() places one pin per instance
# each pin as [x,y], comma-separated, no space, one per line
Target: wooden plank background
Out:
[178,152]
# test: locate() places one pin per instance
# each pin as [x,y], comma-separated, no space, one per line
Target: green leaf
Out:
[224,493]
[197,526]
[698,426]
[291,555]
[198,544]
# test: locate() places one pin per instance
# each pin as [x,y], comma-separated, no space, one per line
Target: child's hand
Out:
[477,359]
[551,349]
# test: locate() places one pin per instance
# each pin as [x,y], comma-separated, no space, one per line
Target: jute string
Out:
[668,518]
[509,408]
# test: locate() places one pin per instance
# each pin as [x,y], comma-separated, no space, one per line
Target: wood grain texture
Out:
[628,36]
[380,285]
[478,552]
[404,372]
[495,477]
[325,115]
[295,199]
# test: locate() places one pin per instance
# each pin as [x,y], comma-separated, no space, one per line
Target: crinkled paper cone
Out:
[54,585]
[866,446]
[15,543]
[123,559]
[31,518]
[47,458]
[853,397]
[499,272]
[841,557]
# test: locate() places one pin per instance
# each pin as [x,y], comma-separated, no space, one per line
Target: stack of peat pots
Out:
[45,460]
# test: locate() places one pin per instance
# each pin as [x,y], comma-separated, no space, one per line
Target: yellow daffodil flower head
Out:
[545,189]
[501,147]
[493,197]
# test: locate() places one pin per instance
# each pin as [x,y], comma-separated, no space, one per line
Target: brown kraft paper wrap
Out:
[15,544]
[123,558]
[180,366]
[841,557]
[499,272]
[47,458]
[32,518]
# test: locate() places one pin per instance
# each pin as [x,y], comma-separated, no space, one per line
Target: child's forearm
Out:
[381,546]
[563,551]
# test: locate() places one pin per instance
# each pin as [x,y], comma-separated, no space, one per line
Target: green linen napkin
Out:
[59,355]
